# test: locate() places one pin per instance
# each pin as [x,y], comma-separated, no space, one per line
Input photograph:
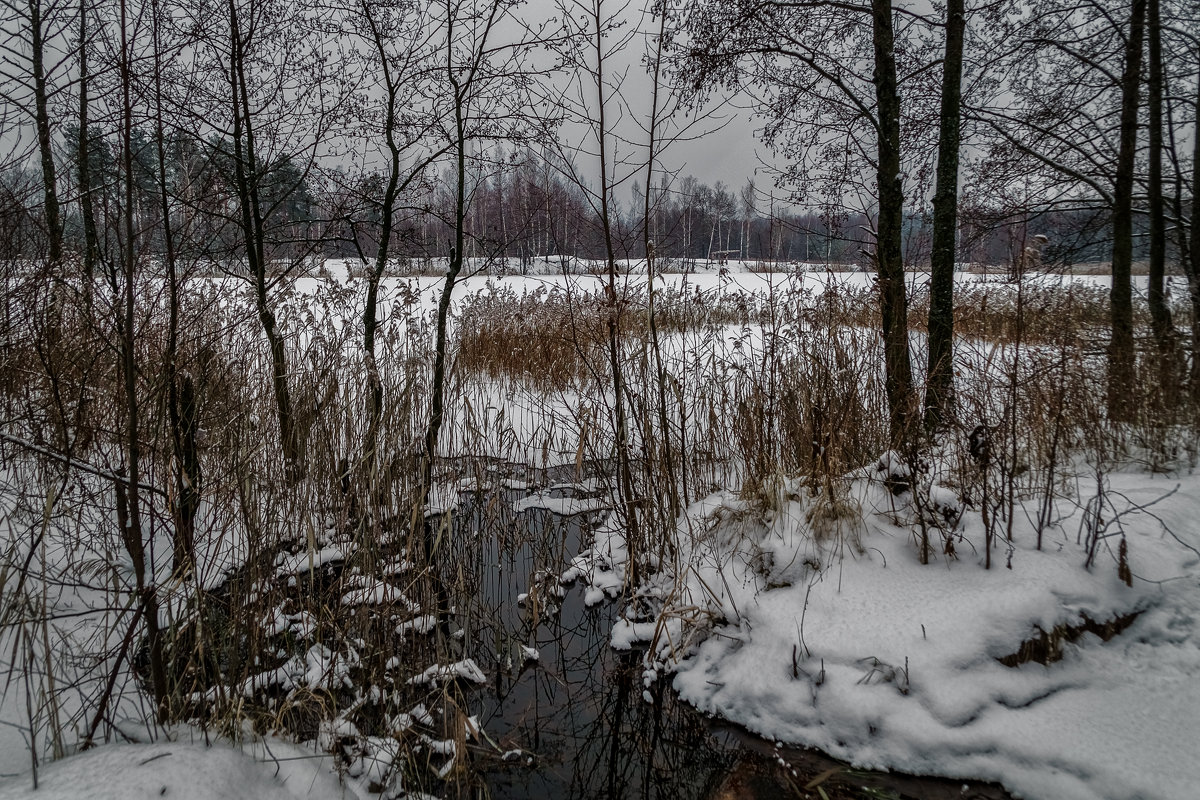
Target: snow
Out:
[601,566]
[421,624]
[303,623]
[845,643]
[317,668]
[187,770]
[403,299]
[377,592]
[626,634]
[310,560]
[837,638]
[510,420]
[561,500]
[466,669]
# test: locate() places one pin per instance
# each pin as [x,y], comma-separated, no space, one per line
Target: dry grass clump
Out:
[1037,310]
[1037,313]
[680,309]
[840,305]
[816,409]
[63,391]
[555,336]
[549,336]
[836,517]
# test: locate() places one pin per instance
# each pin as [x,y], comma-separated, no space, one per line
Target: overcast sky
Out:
[727,151]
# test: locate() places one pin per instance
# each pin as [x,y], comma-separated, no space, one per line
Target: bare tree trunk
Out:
[461,89]
[1194,260]
[41,115]
[889,260]
[1120,348]
[648,247]
[1182,228]
[181,401]
[371,308]
[129,495]
[246,179]
[940,381]
[91,246]
[626,492]
[1160,315]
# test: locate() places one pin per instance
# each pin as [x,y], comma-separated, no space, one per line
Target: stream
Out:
[584,724]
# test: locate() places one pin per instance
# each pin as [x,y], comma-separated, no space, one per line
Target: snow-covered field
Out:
[708,278]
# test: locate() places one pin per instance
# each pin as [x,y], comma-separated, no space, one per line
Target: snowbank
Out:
[819,626]
[190,771]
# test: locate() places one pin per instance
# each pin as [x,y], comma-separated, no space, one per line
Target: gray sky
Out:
[726,151]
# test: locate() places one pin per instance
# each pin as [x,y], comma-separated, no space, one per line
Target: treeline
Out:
[521,211]
[255,135]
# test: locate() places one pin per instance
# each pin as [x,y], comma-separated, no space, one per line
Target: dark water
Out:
[585,724]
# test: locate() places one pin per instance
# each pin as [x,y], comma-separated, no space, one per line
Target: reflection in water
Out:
[579,713]
[584,723]
[582,712]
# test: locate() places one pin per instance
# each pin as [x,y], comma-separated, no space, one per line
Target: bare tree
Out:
[1160,314]
[940,379]
[181,406]
[91,246]
[826,75]
[1193,263]
[1064,127]
[749,198]
[400,40]
[485,73]
[268,97]
[129,498]
[593,97]
[1121,345]
[30,68]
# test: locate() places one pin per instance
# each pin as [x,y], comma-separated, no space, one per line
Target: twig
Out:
[80,465]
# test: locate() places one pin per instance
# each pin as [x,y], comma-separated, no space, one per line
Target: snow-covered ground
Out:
[708,278]
[810,628]
[186,768]
[824,630]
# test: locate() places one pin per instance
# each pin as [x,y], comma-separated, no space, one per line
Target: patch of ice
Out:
[557,504]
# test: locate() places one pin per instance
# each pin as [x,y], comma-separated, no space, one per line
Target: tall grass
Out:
[760,389]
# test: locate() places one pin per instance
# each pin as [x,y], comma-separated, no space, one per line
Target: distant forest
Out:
[523,210]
